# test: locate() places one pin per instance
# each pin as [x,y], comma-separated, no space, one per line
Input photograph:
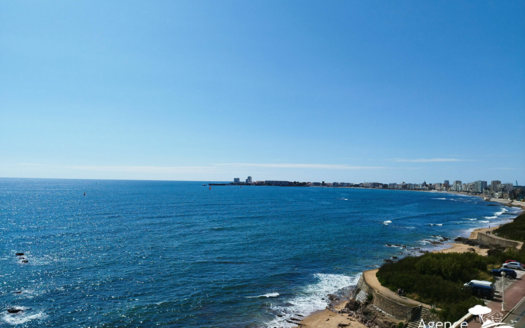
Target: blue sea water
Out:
[158,253]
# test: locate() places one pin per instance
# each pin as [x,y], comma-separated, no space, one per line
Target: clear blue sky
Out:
[348,91]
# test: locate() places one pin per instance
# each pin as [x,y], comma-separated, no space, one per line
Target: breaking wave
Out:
[311,299]
[22,317]
[265,295]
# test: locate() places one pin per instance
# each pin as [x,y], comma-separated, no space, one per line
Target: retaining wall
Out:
[398,310]
[497,241]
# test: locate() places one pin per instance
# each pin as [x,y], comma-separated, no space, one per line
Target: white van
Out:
[480,283]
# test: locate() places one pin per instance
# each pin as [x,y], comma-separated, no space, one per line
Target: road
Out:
[514,293]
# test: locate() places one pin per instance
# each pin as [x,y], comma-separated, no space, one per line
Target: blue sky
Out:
[349,91]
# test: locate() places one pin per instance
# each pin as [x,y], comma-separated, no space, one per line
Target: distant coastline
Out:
[488,198]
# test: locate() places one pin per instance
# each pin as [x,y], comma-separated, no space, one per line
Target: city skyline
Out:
[360,91]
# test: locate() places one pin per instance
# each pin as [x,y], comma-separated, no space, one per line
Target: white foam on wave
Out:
[312,298]
[265,295]
[491,217]
[439,198]
[22,317]
[470,219]
[503,210]
[436,224]
[387,222]
[484,221]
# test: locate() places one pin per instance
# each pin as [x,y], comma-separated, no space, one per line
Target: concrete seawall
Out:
[391,307]
[491,240]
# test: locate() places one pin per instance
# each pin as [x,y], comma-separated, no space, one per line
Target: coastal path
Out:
[371,279]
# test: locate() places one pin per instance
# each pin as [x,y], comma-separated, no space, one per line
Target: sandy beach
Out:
[462,248]
[329,319]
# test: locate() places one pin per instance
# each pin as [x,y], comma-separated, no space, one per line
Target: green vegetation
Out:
[514,230]
[438,278]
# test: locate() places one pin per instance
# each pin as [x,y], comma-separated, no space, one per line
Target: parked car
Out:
[514,265]
[480,283]
[481,291]
[510,273]
[507,261]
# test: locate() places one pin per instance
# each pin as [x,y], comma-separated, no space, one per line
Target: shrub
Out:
[514,230]
[437,278]
[453,312]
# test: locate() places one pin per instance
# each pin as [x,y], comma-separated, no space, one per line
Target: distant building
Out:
[456,186]
[236,180]
[446,184]
[479,186]
[508,187]
[316,184]
[495,185]
[249,180]
[335,184]
[392,186]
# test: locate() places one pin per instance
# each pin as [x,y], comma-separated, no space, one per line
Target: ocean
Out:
[176,254]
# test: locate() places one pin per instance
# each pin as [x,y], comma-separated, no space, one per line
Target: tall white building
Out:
[456,186]
[479,186]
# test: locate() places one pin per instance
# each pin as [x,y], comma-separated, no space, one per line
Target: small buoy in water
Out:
[84,193]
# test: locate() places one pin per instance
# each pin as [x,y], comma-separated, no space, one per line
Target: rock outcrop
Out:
[367,314]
